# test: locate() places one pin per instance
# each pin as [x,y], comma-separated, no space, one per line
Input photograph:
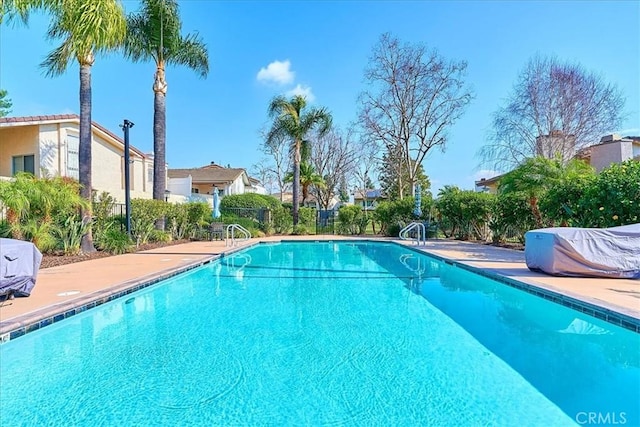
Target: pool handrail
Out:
[421,237]
[230,237]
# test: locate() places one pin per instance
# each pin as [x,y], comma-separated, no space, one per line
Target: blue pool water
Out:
[354,333]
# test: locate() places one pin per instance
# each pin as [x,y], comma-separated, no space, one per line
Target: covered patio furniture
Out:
[585,252]
[19,265]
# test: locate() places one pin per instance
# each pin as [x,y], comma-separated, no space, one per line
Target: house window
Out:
[195,190]
[24,164]
[150,174]
[73,157]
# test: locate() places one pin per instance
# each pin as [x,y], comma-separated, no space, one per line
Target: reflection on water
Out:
[581,363]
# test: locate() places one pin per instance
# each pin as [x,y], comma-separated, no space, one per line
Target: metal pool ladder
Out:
[421,233]
[231,239]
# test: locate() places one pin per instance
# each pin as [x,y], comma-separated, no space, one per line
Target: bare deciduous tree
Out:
[334,156]
[366,166]
[555,109]
[278,151]
[263,172]
[414,96]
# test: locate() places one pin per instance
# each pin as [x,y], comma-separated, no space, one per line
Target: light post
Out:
[127,178]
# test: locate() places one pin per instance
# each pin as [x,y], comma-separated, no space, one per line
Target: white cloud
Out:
[278,72]
[302,90]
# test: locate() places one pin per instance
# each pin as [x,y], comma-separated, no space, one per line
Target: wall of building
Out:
[51,137]
[49,143]
[180,186]
[603,155]
[236,187]
[16,141]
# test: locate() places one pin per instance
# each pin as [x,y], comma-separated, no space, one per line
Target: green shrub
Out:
[300,230]
[70,234]
[282,220]
[352,220]
[177,221]
[144,214]
[160,236]
[394,215]
[33,206]
[614,197]
[307,216]
[464,214]
[248,201]
[116,242]
[40,234]
[563,203]
[5,229]
[249,223]
[511,217]
[103,219]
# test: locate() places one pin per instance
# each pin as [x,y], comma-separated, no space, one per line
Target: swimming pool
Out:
[350,333]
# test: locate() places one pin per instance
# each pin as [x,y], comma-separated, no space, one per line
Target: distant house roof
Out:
[489,181]
[210,174]
[60,118]
[369,194]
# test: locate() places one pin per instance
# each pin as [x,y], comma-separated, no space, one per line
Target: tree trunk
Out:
[159,146]
[84,152]
[159,139]
[296,182]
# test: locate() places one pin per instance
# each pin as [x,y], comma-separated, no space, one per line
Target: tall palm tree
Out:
[308,177]
[291,122]
[86,28]
[154,34]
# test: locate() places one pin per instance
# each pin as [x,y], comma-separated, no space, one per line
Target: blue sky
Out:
[322,48]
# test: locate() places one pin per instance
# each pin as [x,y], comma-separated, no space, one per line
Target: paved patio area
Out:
[59,289]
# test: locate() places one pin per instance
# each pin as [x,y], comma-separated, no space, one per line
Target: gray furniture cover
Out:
[19,265]
[585,252]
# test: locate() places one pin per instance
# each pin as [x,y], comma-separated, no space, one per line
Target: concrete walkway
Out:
[66,287]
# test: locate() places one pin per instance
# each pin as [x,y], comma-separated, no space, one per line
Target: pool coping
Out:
[595,308]
[34,320]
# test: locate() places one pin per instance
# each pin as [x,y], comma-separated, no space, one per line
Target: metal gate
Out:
[325,222]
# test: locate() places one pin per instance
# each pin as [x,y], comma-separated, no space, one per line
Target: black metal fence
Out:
[261,215]
[325,221]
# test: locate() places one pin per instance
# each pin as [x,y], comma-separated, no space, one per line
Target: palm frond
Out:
[192,52]
[318,118]
[86,27]
[137,46]
[276,106]
[12,9]
[305,151]
[57,61]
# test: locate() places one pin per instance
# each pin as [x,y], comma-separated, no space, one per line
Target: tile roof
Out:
[208,174]
[64,118]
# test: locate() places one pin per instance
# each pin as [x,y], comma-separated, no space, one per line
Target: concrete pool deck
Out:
[63,289]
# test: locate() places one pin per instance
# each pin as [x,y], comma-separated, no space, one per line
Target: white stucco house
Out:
[612,149]
[48,146]
[199,183]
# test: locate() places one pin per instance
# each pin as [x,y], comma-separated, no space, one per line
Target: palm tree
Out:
[87,28]
[154,34]
[10,9]
[308,177]
[536,176]
[291,122]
